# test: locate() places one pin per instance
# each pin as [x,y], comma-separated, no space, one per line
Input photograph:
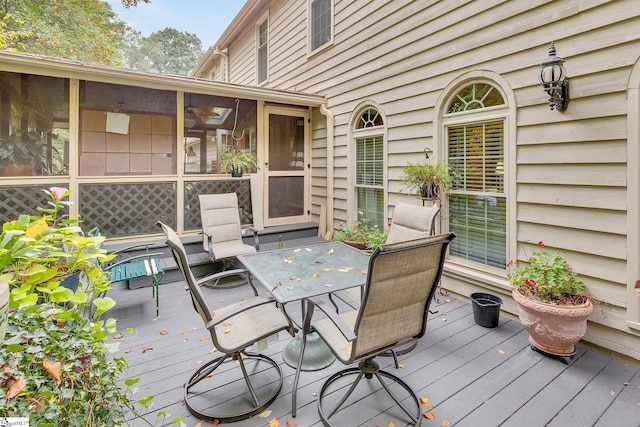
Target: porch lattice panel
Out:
[192,205]
[24,199]
[128,209]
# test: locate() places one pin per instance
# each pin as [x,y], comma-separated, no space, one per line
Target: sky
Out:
[206,18]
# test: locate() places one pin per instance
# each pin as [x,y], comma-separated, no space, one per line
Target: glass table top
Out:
[300,272]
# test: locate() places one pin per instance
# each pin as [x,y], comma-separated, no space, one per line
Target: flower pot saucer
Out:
[567,359]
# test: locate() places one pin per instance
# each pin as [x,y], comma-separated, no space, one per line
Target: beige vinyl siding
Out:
[569,183]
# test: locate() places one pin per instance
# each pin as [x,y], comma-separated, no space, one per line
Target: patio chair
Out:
[409,222]
[401,283]
[222,230]
[134,262]
[233,329]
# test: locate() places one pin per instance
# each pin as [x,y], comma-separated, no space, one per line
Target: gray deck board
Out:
[474,376]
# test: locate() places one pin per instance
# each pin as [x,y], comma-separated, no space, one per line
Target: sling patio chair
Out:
[401,282]
[409,222]
[222,395]
[222,229]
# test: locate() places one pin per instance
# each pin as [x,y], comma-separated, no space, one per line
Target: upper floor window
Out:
[321,23]
[263,51]
[478,203]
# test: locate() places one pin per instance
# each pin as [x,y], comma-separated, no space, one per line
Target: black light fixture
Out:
[554,80]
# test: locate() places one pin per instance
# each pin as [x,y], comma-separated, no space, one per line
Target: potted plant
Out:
[552,302]
[238,161]
[39,254]
[428,180]
[22,153]
[362,236]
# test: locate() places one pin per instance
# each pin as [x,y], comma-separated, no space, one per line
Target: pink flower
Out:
[540,243]
[510,263]
[58,192]
[530,283]
[637,286]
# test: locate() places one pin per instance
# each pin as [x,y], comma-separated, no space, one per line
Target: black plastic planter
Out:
[486,309]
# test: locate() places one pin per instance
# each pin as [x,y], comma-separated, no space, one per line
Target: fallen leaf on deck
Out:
[213,350]
[327,269]
[53,368]
[445,423]
[328,285]
[314,394]
[297,250]
[348,348]
[205,338]
[198,362]
[502,352]
[626,383]
[290,424]
[215,422]
[391,424]
[185,332]
[117,336]
[365,271]
[145,349]
[199,424]
[293,277]
[308,249]
[273,423]
[227,324]
[424,400]
[429,415]
[16,387]
[128,350]
[226,331]
[331,251]
[288,261]
[447,300]
[265,414]
[164,332]
[274,287]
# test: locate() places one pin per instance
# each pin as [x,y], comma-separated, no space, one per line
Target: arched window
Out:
[475,143]
[368,132]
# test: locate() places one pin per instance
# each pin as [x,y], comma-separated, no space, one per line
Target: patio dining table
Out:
[300,273]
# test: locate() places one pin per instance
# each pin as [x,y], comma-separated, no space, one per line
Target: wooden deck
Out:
[473,376]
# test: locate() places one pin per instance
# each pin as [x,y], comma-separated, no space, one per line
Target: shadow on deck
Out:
[473,376]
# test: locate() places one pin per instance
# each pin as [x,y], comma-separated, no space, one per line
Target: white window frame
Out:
[356,134]
[484,115]
[310,19]
[264,20]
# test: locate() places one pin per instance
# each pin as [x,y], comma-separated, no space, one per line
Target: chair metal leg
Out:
[368,369]
[206,371]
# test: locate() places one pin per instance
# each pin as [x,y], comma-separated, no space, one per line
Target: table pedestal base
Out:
[316,353]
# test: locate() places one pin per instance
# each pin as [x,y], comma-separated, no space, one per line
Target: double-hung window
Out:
[263,51]
[320,23]
[475,141]
[369,183]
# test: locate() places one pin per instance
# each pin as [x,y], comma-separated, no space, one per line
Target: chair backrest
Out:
[180,255]
[411,222]
[401,281]
[220,217]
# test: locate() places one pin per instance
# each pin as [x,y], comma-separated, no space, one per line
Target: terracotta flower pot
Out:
[554,329]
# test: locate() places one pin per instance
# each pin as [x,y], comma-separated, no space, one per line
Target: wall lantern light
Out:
[554,80]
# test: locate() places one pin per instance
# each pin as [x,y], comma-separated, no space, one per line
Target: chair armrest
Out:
[329,311]
[146,246]
[256,239]
[258,301]
[206,241]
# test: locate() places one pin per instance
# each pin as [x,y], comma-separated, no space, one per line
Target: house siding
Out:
[568,186]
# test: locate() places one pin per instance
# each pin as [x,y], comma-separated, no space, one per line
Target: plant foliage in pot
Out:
[238,161]
[362,236]
[552,302]
[428,180]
